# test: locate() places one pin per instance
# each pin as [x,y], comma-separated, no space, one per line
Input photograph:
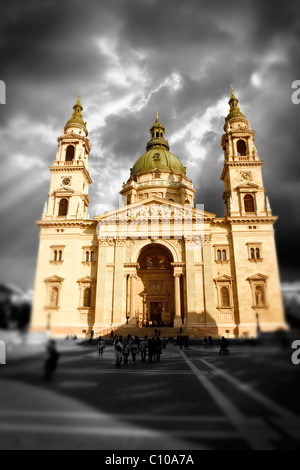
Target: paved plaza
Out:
[194,399]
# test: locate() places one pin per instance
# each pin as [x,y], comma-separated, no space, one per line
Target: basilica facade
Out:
[158,261]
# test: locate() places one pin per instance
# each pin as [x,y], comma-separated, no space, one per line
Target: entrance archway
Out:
[155,286]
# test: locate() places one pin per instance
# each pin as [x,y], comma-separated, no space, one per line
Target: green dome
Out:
[158,157]
[76,119]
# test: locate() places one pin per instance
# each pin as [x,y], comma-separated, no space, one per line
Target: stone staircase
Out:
[164,332]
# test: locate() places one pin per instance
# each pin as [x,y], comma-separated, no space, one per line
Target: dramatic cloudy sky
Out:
[129,58]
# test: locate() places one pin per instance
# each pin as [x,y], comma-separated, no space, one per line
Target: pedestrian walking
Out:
[157,349]
[150,349]
[101,347]
[51,360]
[210,343]
[205,341]
[224,346]
[186,342]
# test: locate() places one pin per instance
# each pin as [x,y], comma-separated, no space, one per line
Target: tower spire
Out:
[158,135]
[234,111]
[77,115]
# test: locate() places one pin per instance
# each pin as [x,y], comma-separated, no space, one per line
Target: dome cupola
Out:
[158,155]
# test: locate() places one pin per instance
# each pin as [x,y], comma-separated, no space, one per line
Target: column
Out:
[118,305]
[177,319]
[132,321]
[208,283]
[101,285]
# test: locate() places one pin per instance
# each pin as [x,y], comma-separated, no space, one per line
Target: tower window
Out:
[241,148]
[157,135]
[63,208]
[70,153]
[249,203]
[219,256]
[57,253]
[255,252]
[87,297]
[87,256]
[224,255]
[225,297]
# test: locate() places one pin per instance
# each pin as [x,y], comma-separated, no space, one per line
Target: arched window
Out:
[224,255]
[249,203]
[257,253]
[92,256]
[219,255]
[70,153]
[225,297]
[55,255]
[63,207]
[157,135]
[60,256]
[54,297]
[87,256]
[87,297]
[252,253]
[242,148]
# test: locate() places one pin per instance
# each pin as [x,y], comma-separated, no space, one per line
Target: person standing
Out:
[126,352]
[119,352]
[210,343]
[143,350]
[92,336]
[134,351]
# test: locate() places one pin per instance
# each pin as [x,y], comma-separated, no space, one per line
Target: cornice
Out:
[66,223]
[247,220]
[71,168]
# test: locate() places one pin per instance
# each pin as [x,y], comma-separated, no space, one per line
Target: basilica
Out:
[158,261]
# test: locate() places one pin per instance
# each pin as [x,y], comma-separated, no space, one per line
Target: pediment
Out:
[86,279]
[223,278]
[54,279]
[248,186]
[63,191]
[154,207]
[257,277]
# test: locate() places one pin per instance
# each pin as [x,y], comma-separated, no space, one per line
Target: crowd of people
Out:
[152,347]
[132,346]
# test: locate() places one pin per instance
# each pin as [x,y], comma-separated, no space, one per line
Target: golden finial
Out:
[157,118]
[232,91]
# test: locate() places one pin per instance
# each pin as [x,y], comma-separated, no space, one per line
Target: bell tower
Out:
[242,175]
[70,180]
